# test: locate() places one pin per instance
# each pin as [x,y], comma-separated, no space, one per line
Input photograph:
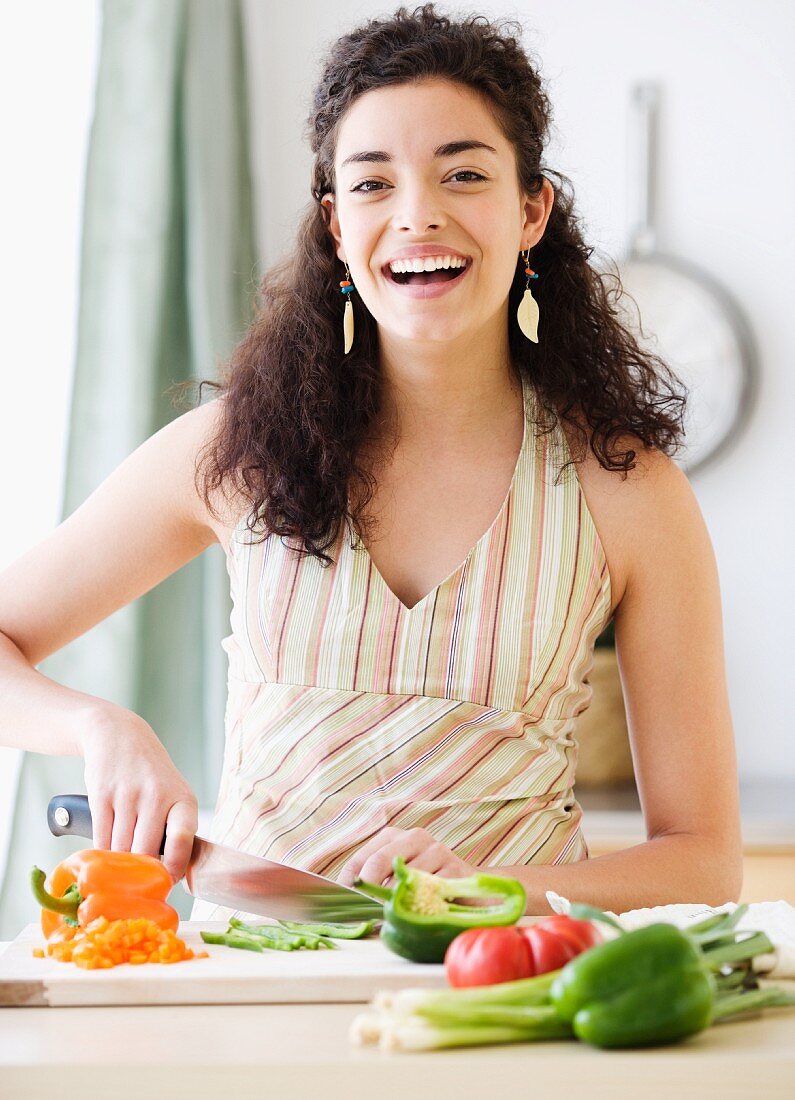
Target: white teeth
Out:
[426,263]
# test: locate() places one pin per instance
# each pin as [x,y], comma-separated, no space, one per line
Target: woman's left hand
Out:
[373,861]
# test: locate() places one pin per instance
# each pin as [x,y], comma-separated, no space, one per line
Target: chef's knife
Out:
[239,880]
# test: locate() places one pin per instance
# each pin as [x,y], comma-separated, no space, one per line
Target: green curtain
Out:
[167,284]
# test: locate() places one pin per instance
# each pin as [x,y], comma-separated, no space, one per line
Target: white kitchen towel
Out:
[775,918]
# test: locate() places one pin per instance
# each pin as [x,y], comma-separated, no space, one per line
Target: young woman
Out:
[429,517]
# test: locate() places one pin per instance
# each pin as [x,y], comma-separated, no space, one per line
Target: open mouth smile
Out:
[426,284]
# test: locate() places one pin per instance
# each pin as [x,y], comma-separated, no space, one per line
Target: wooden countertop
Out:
[286,1051]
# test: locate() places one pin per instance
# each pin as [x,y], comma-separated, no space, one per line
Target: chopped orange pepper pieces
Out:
[103,943]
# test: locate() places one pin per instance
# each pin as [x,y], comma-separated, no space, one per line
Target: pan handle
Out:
[645,99]
[70,815]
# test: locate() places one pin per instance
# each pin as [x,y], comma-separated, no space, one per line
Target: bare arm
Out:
[669,643]
[138,527]
[38,714]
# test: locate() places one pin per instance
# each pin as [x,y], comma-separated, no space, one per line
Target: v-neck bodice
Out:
[348,712]
[378,578]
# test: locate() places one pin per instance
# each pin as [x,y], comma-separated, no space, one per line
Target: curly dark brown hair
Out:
[296,411]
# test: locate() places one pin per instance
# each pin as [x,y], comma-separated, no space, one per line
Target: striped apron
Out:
[348,712]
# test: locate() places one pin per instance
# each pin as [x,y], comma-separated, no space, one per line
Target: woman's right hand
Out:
[135,793]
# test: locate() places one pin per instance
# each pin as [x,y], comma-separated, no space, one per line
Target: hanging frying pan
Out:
[687,317]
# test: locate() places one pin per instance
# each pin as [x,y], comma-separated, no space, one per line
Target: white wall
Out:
[47,72]
[48,57]
[726,180]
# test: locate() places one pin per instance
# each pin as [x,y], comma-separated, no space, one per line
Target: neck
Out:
[441,391]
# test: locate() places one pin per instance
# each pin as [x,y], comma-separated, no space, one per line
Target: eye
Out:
[359,186]
[464,172]
[468,172]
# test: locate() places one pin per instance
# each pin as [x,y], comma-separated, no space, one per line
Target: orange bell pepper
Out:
[98,883]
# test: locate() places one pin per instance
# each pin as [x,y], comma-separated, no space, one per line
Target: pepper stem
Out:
[67,905]
[382,893]
[580,911]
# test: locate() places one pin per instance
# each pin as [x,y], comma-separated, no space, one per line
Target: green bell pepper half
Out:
[420,918]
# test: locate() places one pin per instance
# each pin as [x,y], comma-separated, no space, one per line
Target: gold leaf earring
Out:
[527,313]
[346,286]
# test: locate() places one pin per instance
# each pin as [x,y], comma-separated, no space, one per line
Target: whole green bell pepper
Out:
[645,987]
[420,918]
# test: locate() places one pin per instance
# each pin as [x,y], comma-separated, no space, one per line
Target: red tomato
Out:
[486,956]
[549,950]
[555,940]
[583,933]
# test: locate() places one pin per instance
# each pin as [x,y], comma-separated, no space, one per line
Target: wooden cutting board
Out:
[352,973]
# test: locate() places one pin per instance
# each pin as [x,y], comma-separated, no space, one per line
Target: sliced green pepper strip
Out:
[274,934]
[332,929]
[420,921]
[234,939]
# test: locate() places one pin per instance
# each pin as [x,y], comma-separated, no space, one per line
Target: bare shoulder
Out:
[634,513]
[194,432]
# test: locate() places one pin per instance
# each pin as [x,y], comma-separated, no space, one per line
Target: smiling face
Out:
[418,188]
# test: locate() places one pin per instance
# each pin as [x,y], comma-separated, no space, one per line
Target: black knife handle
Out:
[70,815]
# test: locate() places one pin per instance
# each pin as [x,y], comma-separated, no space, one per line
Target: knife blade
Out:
[240,880]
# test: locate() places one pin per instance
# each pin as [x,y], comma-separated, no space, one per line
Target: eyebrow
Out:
[449,149]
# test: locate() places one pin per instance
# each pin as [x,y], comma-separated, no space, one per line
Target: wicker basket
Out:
[604,758]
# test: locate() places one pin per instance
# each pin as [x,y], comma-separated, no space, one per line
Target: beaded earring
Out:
[527,313]
[346,286]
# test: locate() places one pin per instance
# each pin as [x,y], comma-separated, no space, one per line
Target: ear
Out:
[328,202]
[536,214]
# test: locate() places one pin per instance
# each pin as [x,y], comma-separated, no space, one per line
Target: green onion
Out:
[524,991]
[733,1004]
[416,1034]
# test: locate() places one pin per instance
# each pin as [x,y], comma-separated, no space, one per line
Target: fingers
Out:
[136,795]
[432,860]
[123,823]
[373,862]
[125,815]
[101,809]
[137,823]
[376,866]
[149,829]
[181,826]
[353,868]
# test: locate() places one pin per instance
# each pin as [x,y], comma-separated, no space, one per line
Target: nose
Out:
[418,211]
